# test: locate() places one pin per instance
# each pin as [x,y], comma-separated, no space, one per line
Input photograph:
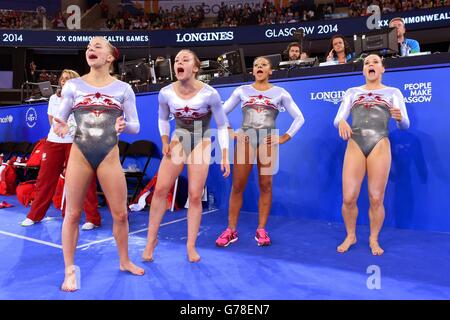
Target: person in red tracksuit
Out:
[54,159]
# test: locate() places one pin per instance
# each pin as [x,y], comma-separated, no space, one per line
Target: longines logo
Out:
[205,36]
[31,117]
[7,119]
[329,96]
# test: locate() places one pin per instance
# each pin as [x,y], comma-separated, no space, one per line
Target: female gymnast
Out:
[57,151]
[368,149]
[260,103]
[192,103]
[100,104]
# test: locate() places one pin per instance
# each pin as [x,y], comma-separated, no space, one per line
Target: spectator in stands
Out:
[294,51]
[410,45]
[339,51]
[33,74]
[59,22]
[53,79]
[265,13]
[388,6]
[44,76]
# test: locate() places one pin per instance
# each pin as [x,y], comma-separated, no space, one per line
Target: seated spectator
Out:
[59,22]
[44,76]
[339,50]
[410,45]
[53,79]
[293,51]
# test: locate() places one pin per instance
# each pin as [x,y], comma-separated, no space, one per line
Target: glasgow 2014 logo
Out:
[31,117]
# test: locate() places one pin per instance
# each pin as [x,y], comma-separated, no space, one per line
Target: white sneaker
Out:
[27,222]
[88,226]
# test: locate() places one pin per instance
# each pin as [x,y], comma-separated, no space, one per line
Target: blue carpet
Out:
[301,263]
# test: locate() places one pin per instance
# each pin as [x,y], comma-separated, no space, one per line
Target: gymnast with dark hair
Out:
[257,139]
[368,149]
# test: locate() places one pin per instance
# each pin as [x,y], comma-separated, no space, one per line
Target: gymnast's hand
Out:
[166,149]
[60,127]
[345,131]
[275,139]
[225,164]
[285,138]
[241,137]
[120,124]
[396,114]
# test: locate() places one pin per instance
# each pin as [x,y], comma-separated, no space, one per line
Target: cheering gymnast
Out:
[368,149]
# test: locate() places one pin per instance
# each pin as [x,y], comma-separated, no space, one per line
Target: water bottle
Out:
[404,50]
[210,201]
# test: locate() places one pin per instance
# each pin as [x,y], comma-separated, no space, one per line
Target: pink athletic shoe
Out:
[262,237]
[226,238]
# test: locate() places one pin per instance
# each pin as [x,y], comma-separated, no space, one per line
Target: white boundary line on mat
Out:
[50,244]
[58,246]
[86,245]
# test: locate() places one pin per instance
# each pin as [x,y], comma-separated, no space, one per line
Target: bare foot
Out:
[70,280]
[132,268]
[375,247]
[147,255]
[348,242]
[193,255]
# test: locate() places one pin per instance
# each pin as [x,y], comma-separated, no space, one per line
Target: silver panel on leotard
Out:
[95,135]
[369,125]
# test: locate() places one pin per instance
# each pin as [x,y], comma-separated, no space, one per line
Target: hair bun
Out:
[116,53]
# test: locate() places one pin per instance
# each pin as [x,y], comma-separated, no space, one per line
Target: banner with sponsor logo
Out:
[23,123]
[73,39]
[415,20]
[211,7]
[308,183]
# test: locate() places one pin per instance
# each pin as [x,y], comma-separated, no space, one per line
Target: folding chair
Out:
[123,147]
[140,148]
